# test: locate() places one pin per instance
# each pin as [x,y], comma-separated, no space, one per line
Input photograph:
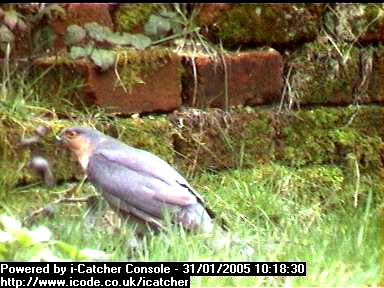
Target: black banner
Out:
[134,274]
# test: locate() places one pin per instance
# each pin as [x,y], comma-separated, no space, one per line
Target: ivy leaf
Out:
[103,58]
[138,41]
[21,244]
[45,254]
[157,25]
[117,39]
[167,14]
[74,35]
[79,52]
[177,27]
[96,31]
[76,254]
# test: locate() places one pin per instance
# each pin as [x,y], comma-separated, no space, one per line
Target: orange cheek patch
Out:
[78,143]
[82,148]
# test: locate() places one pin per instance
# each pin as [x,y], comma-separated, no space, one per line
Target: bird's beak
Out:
[59,140]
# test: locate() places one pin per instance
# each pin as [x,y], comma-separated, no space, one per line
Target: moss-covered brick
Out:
[135,85]
[132,17]
[138,84]
[322,73]
[79,14]
[215,140]
[372,68]
[247,78]
[275,25]
[62,82]
[330,136]
[353,23]
[196,140]
[152,134]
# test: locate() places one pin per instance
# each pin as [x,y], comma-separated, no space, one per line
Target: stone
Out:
[322,74]
[363,23]
[276,25]
[80,14]
[216,140]
[248,78]
[156,90]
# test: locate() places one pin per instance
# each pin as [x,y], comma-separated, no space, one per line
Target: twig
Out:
[356,196]
[226,96]
[286,86]
[47,208]
[194,77]
[118,75]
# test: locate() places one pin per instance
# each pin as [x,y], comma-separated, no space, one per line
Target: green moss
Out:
[307,137]
[14,158]
[256,143]
[218,141]
[61,81]
[374,13]
[136,64]
[265,24]
[355,22]
[152,134]
[130,16]
[323,74]
[329,135]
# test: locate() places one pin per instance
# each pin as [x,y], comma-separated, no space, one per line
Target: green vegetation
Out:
[265,24]
[131,16]
[285,214]
[323,81]
[324,212]
[22,244]
[295,186]
[317,135]
[133,65]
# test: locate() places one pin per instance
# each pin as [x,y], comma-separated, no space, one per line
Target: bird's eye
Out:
[70,134]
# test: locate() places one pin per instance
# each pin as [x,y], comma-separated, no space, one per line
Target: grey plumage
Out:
[135,181]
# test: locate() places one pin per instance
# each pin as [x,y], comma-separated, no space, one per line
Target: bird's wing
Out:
[127,209]
[136,188]
[149,164]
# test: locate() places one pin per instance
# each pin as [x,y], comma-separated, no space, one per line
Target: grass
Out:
[266,207]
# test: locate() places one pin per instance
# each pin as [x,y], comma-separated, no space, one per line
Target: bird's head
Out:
[81,141]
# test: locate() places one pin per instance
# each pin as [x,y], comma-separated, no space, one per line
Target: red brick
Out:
[161,91]
[351,22]
[253,78]
[80,14]
[255,25]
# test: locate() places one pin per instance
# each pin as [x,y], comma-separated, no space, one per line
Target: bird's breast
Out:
[83,160]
